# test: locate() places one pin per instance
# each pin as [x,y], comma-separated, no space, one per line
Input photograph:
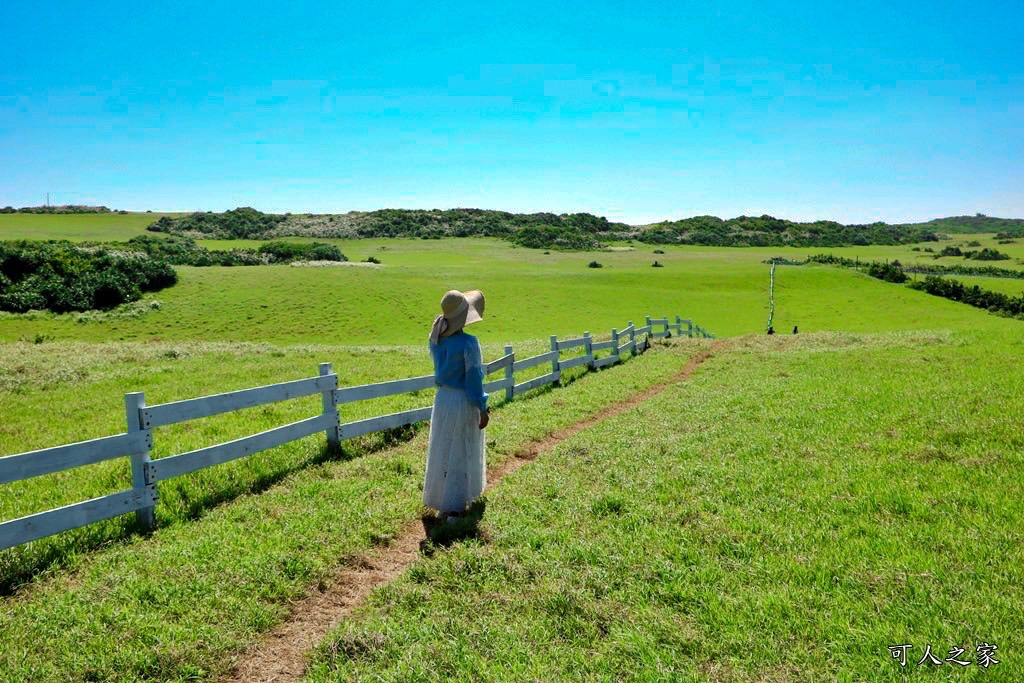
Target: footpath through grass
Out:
[180,604]
[795,509]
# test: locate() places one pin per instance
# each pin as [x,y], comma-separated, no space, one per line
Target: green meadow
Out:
[788,512]
[81,227]
[791,512]
[530,294]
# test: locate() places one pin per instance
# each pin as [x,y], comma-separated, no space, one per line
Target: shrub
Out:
[554,237]
[988,254]
[594,264]
[240,223]
[63,277]
[372,259]
[285,252]
[890,272]
[996,302]
[657,265]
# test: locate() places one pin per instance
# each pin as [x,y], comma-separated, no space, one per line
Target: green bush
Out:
[890,272]
[996,302]
[63,277]
[554,237]
[240,223]
[286,252]
[988,254]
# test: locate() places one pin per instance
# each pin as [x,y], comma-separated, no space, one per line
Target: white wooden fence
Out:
[137,442]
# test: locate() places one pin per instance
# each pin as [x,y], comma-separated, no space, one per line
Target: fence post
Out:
[509,375]
[632,338]
[330,401]
[689,326]
[668,332]
[589,349]
[615,344]
[554,361]
[141,478]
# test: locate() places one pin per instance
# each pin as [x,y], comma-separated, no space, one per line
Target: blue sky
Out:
[638,111]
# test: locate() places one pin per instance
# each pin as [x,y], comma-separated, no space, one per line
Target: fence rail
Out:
[141,419]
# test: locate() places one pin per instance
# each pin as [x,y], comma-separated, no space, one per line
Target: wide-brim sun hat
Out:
[461,309]
[458,309]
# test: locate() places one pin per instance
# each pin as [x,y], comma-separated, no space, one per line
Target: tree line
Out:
[573,231]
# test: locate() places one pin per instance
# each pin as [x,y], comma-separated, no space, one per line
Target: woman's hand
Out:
[485,417]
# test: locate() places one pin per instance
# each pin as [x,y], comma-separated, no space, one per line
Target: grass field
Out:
[796,508]
[78,395]
[726,291]
[82,227]
[790,511]
[177,605]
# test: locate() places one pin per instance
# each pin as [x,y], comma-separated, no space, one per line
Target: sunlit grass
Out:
[530,295]
[84,227]
[52,398]
[179,604]
[794,509]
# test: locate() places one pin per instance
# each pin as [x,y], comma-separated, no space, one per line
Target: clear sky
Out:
[639,111]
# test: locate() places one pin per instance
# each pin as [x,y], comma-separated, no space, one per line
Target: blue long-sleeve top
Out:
[458,363]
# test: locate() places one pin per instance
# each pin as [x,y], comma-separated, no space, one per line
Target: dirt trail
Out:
[282,653]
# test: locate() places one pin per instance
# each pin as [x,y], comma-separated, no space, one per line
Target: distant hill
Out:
[767,231]
[578,231]
[547,230]
[64,208]
[978,223]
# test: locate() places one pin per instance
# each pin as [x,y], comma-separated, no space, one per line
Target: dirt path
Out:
[282,653]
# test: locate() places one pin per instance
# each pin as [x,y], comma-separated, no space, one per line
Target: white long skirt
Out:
[456,458]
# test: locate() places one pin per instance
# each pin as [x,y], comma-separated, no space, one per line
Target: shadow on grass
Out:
[440,534]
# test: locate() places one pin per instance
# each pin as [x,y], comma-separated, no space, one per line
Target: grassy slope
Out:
[799,506]
[75,227]
[178,604]
[724,290]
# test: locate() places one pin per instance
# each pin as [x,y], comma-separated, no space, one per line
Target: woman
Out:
[456,462]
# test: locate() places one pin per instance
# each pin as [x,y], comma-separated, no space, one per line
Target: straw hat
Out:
[458,310]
